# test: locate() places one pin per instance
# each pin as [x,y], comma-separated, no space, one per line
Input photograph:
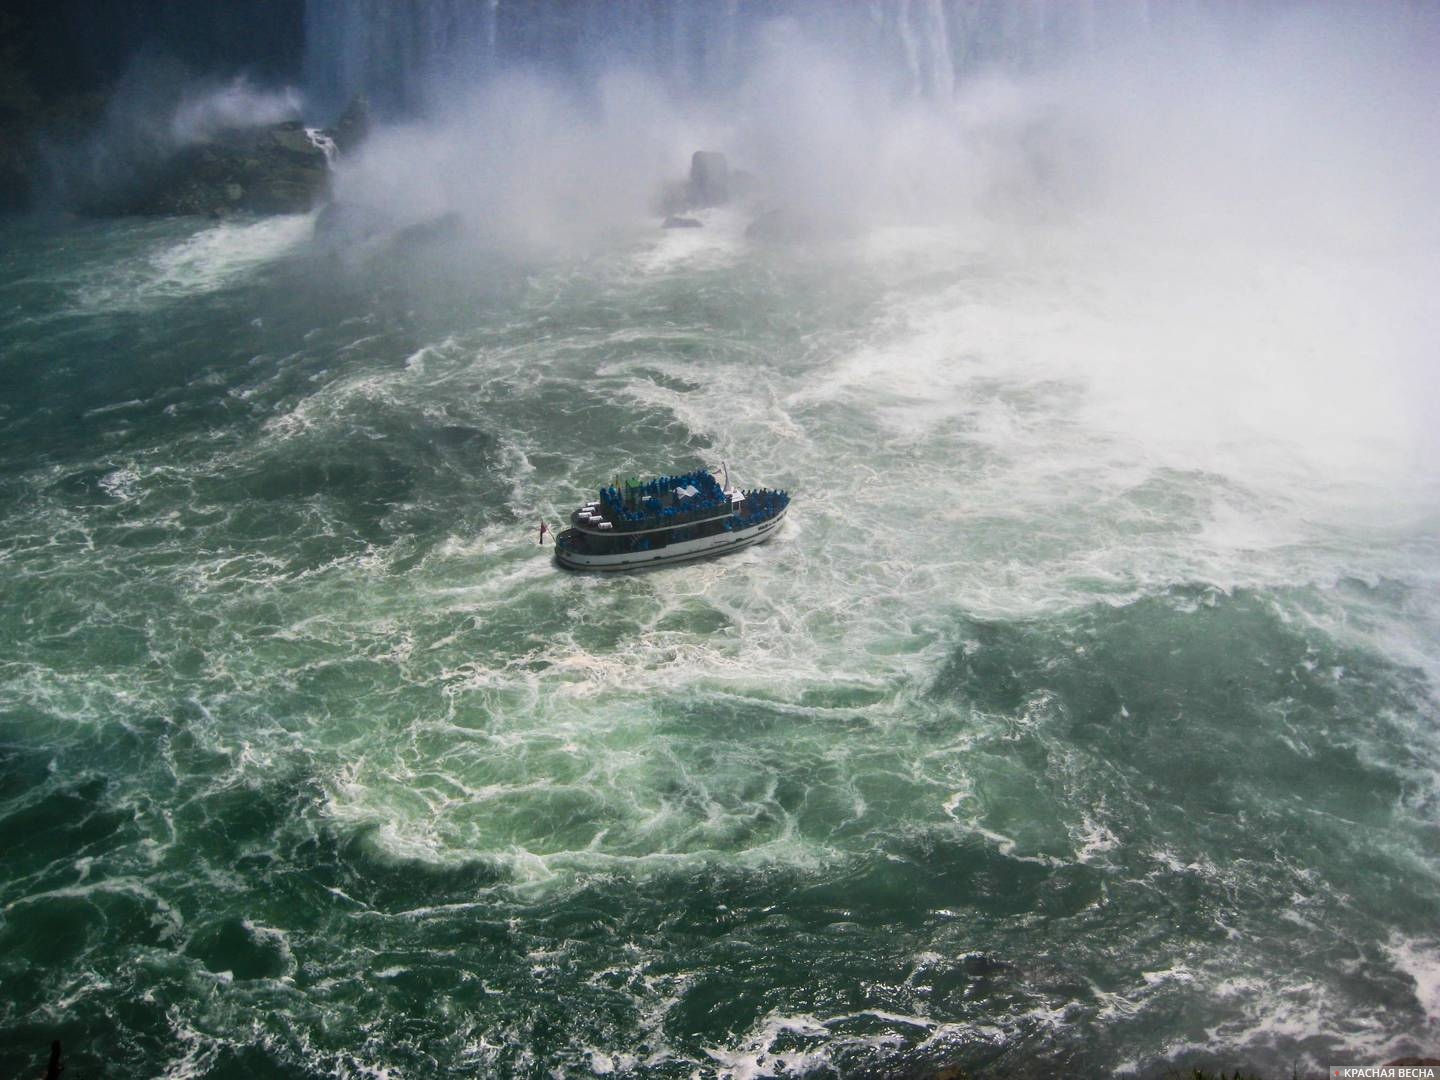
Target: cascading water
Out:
[324,143]
[405,56]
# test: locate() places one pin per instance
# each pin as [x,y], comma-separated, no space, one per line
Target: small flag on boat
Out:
[543,530]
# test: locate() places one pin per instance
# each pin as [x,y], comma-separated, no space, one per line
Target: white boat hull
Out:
[703,548]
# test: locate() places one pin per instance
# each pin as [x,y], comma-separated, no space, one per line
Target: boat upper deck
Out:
[665,502]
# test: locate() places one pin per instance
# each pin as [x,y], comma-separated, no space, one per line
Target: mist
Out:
[1273,118]
[1227,218]
[158,106]
[203,110]
[1078,719]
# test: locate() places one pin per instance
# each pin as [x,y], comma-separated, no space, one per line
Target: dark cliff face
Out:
[275,169]
[82,46]
[60,61]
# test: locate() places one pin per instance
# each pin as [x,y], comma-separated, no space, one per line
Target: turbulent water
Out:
[1081,720]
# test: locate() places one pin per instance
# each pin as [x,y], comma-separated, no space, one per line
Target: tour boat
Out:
[670,519]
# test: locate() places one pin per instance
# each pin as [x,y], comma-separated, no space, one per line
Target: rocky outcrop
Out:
[711,183]
[278,169]
[352,127]
[709,179]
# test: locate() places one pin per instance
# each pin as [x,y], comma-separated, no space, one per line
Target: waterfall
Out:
[324,143]
[407,57]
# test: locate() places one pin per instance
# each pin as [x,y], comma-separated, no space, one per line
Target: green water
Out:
[1053,736]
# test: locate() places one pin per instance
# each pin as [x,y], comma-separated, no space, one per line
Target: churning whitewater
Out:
[1080,721]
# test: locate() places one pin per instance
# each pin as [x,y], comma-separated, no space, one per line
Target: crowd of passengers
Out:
[660,501]
[759,506]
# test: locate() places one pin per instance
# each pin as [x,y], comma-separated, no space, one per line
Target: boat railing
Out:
[692,499]
[662,502]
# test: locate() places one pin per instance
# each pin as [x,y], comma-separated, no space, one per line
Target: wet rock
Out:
[709,185]
[276,169]
[353,126]
[292,137]
[709,179]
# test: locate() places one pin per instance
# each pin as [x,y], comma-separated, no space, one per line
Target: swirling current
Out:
[1039,743]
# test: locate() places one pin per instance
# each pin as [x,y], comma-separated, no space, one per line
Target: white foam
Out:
[755,1056]
[1094,838]
[717,243]
[1419,958]
[122,484]
[209,259]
